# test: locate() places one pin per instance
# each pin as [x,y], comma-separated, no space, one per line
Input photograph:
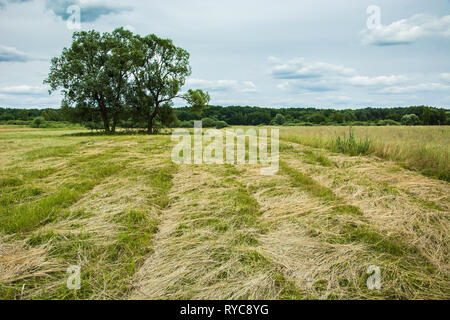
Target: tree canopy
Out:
[118,75]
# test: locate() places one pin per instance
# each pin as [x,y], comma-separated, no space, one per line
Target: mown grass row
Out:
[36,198]
[215,238]
[401,261]
[28,216]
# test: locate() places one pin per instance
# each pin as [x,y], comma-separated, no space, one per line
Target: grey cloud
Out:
[298,68]
[321,77]
[89,11]
[10,54]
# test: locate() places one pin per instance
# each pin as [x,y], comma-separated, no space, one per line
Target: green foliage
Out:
[410,120]
[111,76]
[279,119]
[37,122]
[387,122]
[317,118]
[208,123]
[352,146]
[236,115]
[221,124]
[184,124]
[431,116]
[197,99]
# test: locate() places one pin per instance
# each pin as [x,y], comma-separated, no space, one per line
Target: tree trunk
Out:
[151,116]
[150,124]
[114,124]
[105,122]
[103,114]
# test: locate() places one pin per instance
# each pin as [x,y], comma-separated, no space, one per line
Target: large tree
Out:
[159,71]
[80,72]
[103,75]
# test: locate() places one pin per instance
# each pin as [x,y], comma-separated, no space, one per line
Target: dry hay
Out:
[18,261]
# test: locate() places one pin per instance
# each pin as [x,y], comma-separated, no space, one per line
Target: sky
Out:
[288,53]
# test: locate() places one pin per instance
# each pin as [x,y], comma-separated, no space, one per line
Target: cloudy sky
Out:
[287,53]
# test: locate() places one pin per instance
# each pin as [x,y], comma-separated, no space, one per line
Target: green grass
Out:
[420,148]
[352,145]
[305,182]
[50,152]
[98,200]
[318,158]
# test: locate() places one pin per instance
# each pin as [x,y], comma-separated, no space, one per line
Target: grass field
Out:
[140,226]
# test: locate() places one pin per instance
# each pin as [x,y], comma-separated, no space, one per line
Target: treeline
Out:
[237,115]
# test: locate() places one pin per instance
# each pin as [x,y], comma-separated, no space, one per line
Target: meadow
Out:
[142,227]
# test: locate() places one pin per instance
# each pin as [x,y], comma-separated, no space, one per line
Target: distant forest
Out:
[238,115]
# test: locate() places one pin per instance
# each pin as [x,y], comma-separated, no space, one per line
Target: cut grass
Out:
[302,180]
[50,152]
[318,158]
[28,216]
[140,227]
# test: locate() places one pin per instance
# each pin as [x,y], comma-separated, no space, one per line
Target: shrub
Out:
[208,123]
[18,122]
[317,118]
[359,123]
[37,122]
[185,124]
[387,122]
[410,120]
[92,125]
[279,119]
[221,124]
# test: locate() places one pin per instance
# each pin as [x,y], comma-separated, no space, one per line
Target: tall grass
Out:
[425,149]
[351,145]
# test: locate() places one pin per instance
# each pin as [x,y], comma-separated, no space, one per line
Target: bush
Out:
[387,122]
[317,118]
[38,122]
[221,124]
[410,120]
[359,123]
[208,123]
[185,124]
[279,119]
[92,125]
[18,122]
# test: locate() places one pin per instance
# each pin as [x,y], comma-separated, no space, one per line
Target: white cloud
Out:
[445,77]
[222,85]
[319,76]
[233,41]
[408,30]
[297,68]
[421,87]
[91,10]
[249,87]
[23,90]
[376,81]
